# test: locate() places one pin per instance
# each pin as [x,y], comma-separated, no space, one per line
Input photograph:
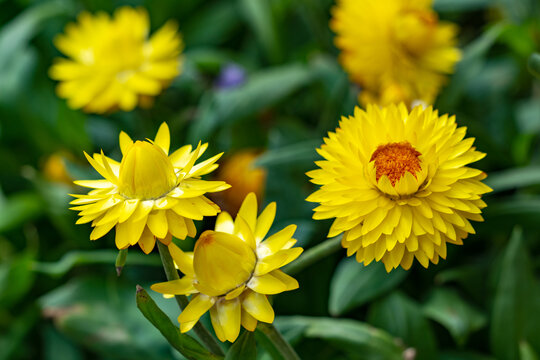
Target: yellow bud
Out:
[222,262]
[146,172]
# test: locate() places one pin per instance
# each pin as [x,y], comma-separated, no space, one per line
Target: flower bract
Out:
[149,194]
[398,185]
[233,269]
[396,50]
[113,63]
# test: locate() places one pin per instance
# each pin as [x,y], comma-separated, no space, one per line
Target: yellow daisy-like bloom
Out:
[149,194]
[397,50]
[398,185]
[113,64]
[239,171]
[233,269]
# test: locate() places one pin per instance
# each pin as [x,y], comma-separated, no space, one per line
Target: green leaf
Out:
[460,5]
[259,16]
[534,64]
[262,90]
[243,348]
[360,339]
[75,258]
[514,178]
[455,355]
[185,344]
[99,313]
[447,308]
[526,352]
[303,152]
[354,284]
[16,58]
[516,309]
[403,318]
[19,208]
[16,279]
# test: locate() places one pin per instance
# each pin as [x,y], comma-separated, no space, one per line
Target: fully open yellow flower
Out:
[149,194]
[232,270]
[113,64]
[398,185]
[397,50]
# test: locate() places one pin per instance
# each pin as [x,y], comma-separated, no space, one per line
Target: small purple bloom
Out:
[231,75]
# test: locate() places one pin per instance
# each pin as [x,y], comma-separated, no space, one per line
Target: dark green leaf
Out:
[514,178]
[516,307]
[460,5]
[526,352]
[534,64]
[243,348]
[20,208]
[303,152]
[16,278]
[74,258]
[259,16]
[262,90]
[360,339]
[403,318]
[450,310]
[354,284]
[454,355]
[185,344]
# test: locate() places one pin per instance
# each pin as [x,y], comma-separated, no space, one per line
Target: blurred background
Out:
[261,82]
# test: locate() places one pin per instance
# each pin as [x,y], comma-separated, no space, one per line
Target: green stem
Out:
[280,345]
[172,274]
[313,255]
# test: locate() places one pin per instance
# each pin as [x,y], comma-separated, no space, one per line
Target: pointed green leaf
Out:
[354,284]
[243,348]
[185,344]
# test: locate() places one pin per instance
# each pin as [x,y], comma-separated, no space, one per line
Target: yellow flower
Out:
[396,50]
[113,64]
[239,171]
[233,269]
[149,194]
[398,185]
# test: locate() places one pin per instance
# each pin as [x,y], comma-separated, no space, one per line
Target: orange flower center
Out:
[394,160]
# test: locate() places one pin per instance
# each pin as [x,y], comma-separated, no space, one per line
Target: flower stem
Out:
[172,274]
[282,347]
[313,255]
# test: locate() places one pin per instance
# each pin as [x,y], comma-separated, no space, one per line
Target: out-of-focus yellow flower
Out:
[396,50]
[398,185]
[239,171]
[233,269]
[149,194]
[113,63]
[54,168]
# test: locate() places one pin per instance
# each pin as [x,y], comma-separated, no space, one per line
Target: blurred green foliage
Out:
[60,297]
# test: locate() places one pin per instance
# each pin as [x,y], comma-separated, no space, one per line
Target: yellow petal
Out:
[163,137]
[224,223]
[264,222]
[229,314]
[125,143]
[183,260]
[276,242]
[176,225]
[96,184]
[182,286]
[100,231]
[198,305]
[244,232]
[147,241]
[257,305]
[248,210]
[266,284]
[129,207]
[248,321]
[288,280]
[235,293]
[157,223]
[216,324]
[130,231]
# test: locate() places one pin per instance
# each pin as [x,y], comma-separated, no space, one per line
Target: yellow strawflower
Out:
[396,50]
[244,177]
[148,194]
[398,185]
[232,270]
[113,63]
